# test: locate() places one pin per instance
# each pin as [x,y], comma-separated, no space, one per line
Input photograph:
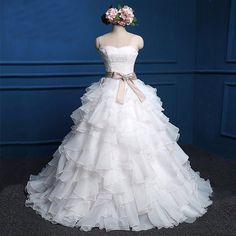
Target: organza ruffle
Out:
[119,168]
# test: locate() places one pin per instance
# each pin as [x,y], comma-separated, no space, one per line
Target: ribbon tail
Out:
[136,90]
[121,92]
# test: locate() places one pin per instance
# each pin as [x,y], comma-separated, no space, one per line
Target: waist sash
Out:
[121,89]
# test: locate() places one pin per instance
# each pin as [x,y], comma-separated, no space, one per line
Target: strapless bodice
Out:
[119,59]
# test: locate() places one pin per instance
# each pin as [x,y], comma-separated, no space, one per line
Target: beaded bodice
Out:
[119,59]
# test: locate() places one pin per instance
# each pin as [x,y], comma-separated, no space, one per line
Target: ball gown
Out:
[120,166]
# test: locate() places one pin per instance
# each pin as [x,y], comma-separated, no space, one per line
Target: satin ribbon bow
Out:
[121,90]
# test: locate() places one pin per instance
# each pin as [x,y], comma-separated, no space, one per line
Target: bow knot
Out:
[121,90]
[126,77]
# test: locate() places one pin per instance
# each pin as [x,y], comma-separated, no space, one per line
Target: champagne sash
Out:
[125,78]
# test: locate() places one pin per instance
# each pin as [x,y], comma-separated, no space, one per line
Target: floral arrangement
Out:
[119,16]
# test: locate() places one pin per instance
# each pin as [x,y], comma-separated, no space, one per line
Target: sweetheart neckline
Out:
[118,47]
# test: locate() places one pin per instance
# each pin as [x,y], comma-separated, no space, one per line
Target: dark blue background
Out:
[48,58]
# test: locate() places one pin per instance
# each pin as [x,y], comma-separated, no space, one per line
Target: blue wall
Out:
[215,77]
[48,58]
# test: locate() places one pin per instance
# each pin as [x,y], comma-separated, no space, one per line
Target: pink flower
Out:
[111,14]
[126,13]
[123,16]
[121,23]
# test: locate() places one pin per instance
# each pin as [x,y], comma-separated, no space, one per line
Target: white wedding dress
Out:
[120,167]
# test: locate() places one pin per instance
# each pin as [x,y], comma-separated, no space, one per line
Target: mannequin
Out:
[119,37]
[120,166]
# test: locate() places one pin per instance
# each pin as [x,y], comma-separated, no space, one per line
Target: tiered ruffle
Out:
[119,167]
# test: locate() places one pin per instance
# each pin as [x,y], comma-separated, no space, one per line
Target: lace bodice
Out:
[119,59]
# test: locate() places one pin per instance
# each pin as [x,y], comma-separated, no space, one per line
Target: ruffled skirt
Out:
[119,168]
